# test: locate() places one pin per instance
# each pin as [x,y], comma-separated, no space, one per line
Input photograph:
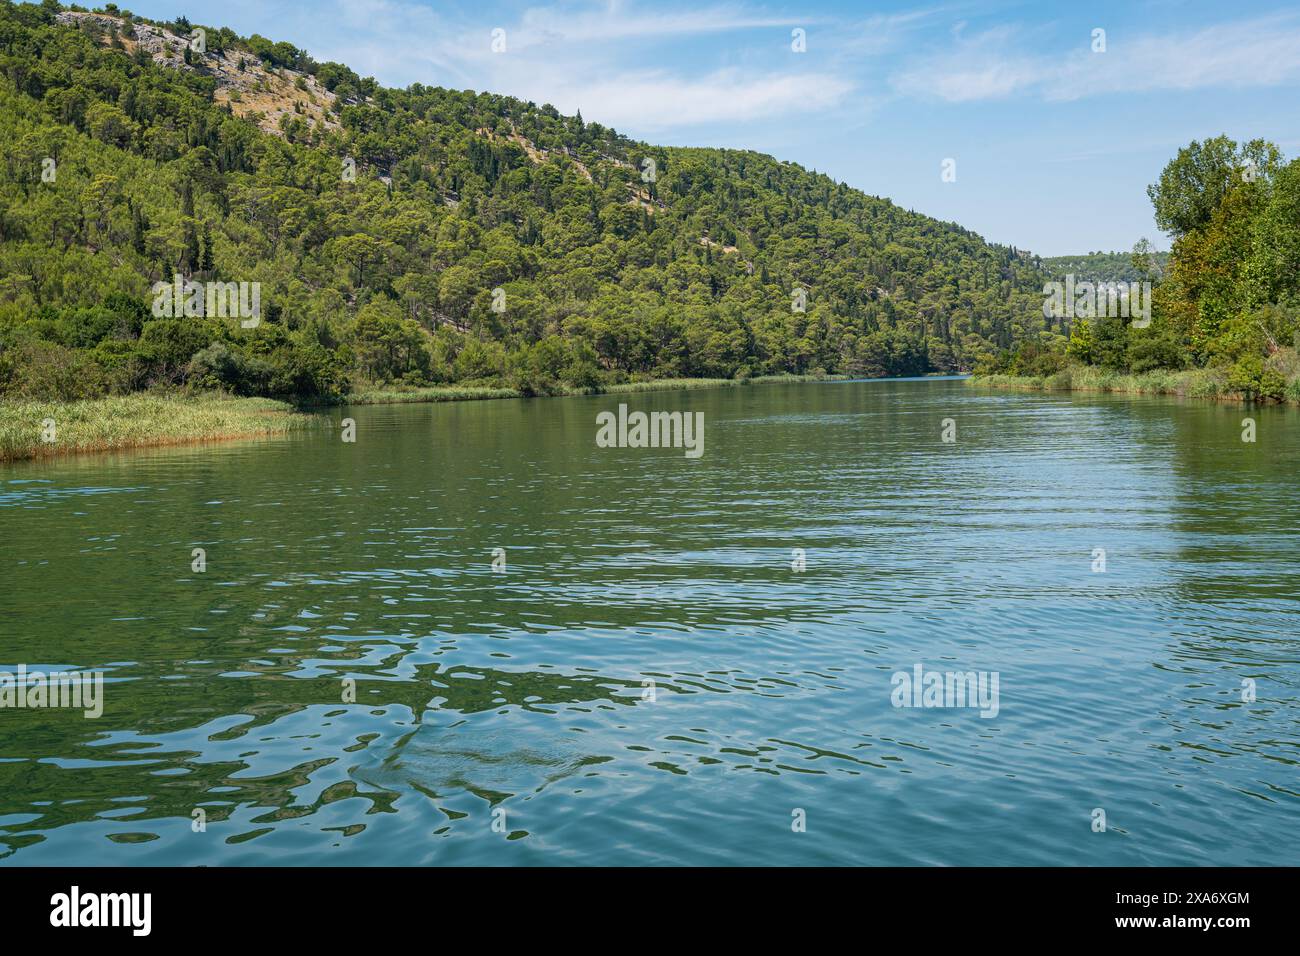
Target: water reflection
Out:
[648,680]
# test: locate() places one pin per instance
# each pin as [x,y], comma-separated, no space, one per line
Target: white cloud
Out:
[1255,53]
[881,33]
[639,67]
[657,100]
[576,58]
[618,22]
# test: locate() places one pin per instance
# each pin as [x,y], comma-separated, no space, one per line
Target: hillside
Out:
[425,235]
[1106,266]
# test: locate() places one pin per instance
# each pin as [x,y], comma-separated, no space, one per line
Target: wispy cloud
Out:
[883,33]
[601,59]
[658,100]
[1252,53]
[620,21]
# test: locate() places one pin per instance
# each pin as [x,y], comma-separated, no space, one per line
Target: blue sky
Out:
[1054,143]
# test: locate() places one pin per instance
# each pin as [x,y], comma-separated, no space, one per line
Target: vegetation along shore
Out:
[40,429]
[242,221]
[35,429]
[1210,383]
[1221,315]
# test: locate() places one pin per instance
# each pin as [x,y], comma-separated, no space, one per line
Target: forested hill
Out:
[428,235]
[1108,266]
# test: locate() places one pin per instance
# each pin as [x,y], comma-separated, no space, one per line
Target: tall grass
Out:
[135,421]
[1189,383]
[670,385]
[465,393]
[435,393]
[143,419]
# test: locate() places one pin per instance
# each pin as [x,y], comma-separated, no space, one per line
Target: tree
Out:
[604,272]
[108,124]
[1195,181]
[357,251]
[1081,347]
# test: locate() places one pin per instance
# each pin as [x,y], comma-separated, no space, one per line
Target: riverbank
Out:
[469,393]
[143,420]
[1189,383]
[46,429]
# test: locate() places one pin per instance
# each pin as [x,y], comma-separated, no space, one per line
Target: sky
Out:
[1054,130]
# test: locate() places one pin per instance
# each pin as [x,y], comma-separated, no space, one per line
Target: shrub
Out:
[1253,380]
[47,371]
[220,367]
[1062,381]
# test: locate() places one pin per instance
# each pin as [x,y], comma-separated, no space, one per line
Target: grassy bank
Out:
[466,393]
[142,420]
[136,421]
[1189,383]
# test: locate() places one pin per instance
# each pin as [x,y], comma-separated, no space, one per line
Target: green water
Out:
[648,681]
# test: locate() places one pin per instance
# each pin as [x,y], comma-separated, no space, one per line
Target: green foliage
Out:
[131,421]
[1196,181]
[1104,266]
[484,240]
[1082,347]
[1032,359]
[1155,347]
[1250,377]
[1226,304]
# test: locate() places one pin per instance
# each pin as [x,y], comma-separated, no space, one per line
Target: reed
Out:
[1209,383]
[467,393]
[136,421]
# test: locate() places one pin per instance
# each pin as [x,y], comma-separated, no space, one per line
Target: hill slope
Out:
[428,235]
[1106,266]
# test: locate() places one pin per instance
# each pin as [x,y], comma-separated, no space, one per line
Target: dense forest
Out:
[1226,304]
[1108,266]
[426,236]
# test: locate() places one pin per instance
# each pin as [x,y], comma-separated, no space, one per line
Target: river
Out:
[670,660]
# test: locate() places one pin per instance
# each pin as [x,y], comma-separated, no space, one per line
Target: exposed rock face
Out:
[263,94]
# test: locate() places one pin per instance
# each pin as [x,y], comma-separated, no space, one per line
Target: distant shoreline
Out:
[147,420]
[1201,383]
[458,393]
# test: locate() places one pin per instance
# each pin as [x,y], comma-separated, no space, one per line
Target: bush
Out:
[306,372]
[1207,383]
[479,360]
[1285,362]
[46,371]
[1062,381]
[167,345]
[1153,349]
[220,367]
[125,369]
[1250,377]
[1036,361]
[535,369]
[582,370]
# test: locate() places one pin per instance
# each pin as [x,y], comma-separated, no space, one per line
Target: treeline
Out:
[1228,299]
[483,239]
[1107,266]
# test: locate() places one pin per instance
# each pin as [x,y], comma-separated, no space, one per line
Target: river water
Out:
[676,660]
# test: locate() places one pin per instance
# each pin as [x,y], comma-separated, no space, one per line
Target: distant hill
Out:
[427,235]
[1104,266]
